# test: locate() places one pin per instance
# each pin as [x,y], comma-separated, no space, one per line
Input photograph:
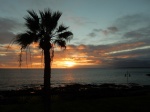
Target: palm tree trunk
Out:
[47,76]
[47,69]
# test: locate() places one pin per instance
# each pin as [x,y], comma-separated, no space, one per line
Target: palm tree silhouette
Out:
[43,28]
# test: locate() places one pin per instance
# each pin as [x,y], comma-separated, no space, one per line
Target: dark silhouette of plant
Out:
[43,28]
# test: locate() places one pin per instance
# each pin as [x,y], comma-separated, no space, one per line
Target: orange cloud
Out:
[73,56]
[81,47]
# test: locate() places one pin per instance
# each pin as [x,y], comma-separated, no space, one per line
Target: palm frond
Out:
[32,21]
[55,18]
[24,39]
[61,28]
[49,20]
[45,19]
[65,35]
[33,14]
[60,43]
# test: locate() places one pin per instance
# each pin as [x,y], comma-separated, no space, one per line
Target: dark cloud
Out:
[140,34]
[112,29]
[126,29]
[97,30]
[133,34]
[129,26]
[92,34]
[130,63]
[130,21]
[108,31]
[6,29]
[7,24]
[6,37]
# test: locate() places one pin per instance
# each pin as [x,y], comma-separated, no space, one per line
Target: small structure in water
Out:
[127,75]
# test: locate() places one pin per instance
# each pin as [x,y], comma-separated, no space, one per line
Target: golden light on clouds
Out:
[72,57]
[38,57]
[35,44]
[69,63]
[63,64]
[36,64]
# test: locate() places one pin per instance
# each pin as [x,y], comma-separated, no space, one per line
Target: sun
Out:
[69,63]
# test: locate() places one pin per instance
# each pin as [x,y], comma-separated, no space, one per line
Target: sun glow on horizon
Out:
[69,63]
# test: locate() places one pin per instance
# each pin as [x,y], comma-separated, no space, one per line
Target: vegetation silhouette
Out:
[43,29]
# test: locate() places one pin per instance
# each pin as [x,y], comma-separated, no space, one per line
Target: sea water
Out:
[12,79]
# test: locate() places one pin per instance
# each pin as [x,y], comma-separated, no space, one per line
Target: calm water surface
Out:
[11,79]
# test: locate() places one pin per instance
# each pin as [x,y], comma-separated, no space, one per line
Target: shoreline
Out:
[102,89]
[39,86]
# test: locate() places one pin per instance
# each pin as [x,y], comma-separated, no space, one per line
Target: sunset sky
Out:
[107,33]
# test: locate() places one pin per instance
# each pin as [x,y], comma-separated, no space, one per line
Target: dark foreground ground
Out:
[79,98]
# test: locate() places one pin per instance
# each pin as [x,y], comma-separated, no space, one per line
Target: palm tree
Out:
[43,28]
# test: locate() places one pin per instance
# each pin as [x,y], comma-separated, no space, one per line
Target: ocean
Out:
[13,79]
